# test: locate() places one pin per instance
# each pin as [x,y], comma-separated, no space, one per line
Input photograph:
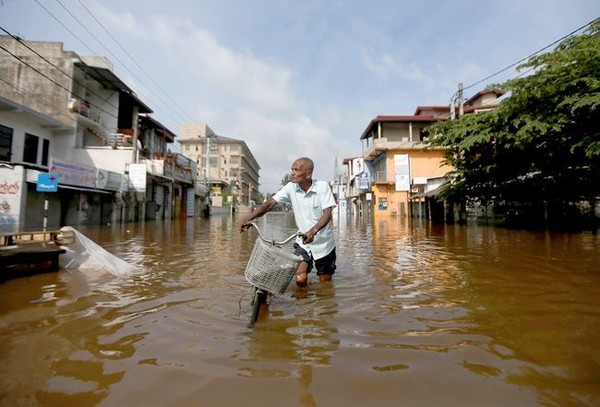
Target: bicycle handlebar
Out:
[273,242]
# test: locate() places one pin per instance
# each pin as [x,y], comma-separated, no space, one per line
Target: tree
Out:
[287,178]
[542,144]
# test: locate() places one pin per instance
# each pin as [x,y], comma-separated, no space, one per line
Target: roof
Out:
[397,119]
[105,76]
[497,92]
[445,109]
[433,192]
[218,139]
[347,160]
[109,80]
[158,127]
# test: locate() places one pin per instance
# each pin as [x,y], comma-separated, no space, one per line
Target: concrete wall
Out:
[42,86]
[424,164]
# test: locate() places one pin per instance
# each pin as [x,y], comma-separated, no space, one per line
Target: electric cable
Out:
[20,41]
[526,58]
[48,78]
[92,52]
[133,60]
[42,101]
[150,89]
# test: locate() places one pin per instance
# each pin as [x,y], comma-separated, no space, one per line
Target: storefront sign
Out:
[47,182]
[73,173]
[137,177]
[402,172]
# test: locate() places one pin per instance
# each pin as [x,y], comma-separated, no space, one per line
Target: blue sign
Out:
[47,182]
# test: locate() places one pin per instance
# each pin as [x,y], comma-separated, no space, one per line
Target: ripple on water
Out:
[468,310]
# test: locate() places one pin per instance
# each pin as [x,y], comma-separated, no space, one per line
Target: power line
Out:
[99,42]
[177,147]
[47,77]
[526,58]
[130,57]
[42,101]
[174,146]
[91,91]
[65,27]
[150,89]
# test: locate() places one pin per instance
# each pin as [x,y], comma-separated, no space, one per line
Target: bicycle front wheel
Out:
[260,298]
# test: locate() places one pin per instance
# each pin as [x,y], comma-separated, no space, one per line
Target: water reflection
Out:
[296,334]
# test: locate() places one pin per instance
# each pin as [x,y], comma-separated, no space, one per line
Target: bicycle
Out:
[270,270]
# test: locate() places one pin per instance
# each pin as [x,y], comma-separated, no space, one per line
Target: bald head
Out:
[306,163]
[302,170]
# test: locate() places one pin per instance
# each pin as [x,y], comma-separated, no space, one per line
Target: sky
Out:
[299,78]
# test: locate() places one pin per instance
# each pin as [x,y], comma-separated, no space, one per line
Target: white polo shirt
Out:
[308,208]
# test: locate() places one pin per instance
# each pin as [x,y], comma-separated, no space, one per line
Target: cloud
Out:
[306,78]
[238,94]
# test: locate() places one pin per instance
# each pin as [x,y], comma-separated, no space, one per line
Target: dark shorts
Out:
[324,265]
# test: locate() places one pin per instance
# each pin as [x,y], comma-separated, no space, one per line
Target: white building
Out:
[73,118]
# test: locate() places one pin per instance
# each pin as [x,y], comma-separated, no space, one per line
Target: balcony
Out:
[89,118]
[120,140]
[85,111]
[382,145]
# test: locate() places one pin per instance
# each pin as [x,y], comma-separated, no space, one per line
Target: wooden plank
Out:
[9,239]
[29,260]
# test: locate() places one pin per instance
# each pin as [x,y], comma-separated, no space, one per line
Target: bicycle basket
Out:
[271,268]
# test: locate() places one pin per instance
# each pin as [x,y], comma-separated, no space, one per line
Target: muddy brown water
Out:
[417,315]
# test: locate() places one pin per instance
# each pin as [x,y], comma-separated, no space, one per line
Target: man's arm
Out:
[260,210]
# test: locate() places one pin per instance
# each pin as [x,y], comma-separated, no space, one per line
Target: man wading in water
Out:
[312,202]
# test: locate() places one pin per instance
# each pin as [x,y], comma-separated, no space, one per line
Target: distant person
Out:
[312,202]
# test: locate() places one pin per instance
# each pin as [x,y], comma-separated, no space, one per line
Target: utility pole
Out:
[337,179]
[207,160]
[207,175]
[460,100]
[134,120]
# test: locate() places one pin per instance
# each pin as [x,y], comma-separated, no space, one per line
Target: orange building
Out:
[403,168]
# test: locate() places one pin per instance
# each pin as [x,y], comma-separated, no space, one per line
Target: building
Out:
[403,170]
[71,118]
[356,182]
[226,166]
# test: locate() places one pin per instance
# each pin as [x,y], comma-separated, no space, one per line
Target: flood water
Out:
[417,315]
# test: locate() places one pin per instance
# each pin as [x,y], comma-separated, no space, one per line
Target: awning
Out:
[433,192]
[104,76]
[109,80]
[100,191]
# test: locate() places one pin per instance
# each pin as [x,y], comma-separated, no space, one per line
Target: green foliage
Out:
[287,178]
[543,141]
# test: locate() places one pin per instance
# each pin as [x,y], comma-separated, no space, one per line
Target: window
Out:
[45,150]
[30,151]
[6,134]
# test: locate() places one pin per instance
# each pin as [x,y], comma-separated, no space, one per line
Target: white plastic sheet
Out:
[83,254]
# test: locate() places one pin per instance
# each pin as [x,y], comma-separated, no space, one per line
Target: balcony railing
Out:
[120,140]
[383,144]
[84,109]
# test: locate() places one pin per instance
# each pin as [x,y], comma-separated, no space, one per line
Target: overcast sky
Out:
[299,77]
